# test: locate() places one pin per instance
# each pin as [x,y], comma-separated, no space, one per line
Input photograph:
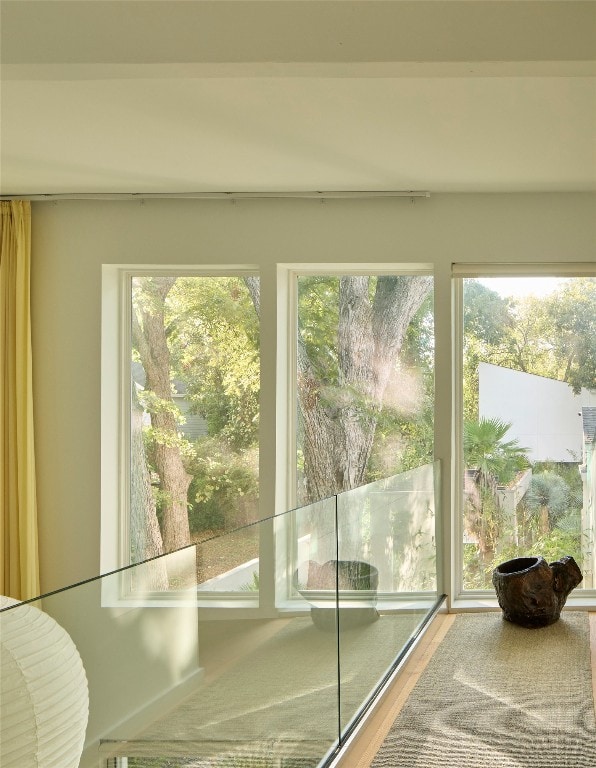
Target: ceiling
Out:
[182,96]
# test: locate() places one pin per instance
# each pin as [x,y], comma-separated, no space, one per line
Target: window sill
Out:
[488,603]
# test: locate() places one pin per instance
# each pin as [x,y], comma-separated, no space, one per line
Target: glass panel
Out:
[189,669]
[386,577]
[230,563]
[529,407]
[177,680]
[365,359]
[194,413]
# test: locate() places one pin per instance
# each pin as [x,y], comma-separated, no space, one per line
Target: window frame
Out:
[286,395]
[278,405]
[116,342]
[462,599]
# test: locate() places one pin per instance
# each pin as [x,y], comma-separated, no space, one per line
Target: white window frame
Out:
[462,599]
[286,394]
[115,427]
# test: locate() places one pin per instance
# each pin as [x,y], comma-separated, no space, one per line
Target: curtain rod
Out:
[212,195]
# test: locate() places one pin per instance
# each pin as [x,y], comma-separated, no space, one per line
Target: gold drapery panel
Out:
[19,572]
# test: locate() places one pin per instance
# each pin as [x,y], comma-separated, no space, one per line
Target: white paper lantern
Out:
[44,697]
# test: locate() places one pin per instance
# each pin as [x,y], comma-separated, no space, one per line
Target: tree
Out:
[490,460]
[145,535]
[347,352]
[572,331]
[206,333]
[548,498]
[486,314]
[346,355]
[553,336]
[486,451]
[214,341]
[404,436]
[150,341]
[487,322]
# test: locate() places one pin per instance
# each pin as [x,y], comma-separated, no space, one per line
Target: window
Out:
[191,349]
[528,415]
[364,391]
[364,379]
[349,374]
[363,402]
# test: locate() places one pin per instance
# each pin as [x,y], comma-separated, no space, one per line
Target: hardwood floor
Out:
[365,745]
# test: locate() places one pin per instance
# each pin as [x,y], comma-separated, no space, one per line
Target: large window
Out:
[363,402]
[193,355]
[364,396]
[364,379]
[346,397]
[528,422]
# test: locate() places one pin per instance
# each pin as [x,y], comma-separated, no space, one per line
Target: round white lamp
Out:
[44,697]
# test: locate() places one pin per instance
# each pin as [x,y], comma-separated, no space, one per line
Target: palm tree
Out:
[490,461]
[548,498]
[496,461]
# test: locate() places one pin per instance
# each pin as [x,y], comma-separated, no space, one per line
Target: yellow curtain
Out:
[19,571]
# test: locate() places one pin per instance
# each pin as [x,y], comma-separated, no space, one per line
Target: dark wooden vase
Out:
[532,592]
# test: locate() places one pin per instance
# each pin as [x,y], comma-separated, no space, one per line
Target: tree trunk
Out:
[339,426]
[145,536]
[544,521]
[149,334]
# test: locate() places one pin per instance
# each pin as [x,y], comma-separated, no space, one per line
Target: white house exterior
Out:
[545,415]
[554,425]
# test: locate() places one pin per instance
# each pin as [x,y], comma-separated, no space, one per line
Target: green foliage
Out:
[552,546]
[551,492]
[214,339]
[548,491]
[405,433]
[154,404]
[556,544]
[572,314]
[402,442]
[486,450]
[318,317]
[212,335]
[486,314]
[554,336]
[476,574]
[253,585]
[419,344]
[224,490]
[569,473]
[487,322]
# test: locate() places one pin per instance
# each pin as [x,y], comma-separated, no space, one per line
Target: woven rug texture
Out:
[496,695]
[278,706]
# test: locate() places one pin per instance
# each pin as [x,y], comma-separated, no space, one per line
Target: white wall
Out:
[545,415]
[137,659]
[72,239]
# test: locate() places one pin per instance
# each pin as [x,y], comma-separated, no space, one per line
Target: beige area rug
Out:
[277,706]
[495,695]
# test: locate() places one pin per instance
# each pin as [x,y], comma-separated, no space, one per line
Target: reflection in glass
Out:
[188,666]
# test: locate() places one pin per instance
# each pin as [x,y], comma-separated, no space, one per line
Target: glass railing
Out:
[270,663]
